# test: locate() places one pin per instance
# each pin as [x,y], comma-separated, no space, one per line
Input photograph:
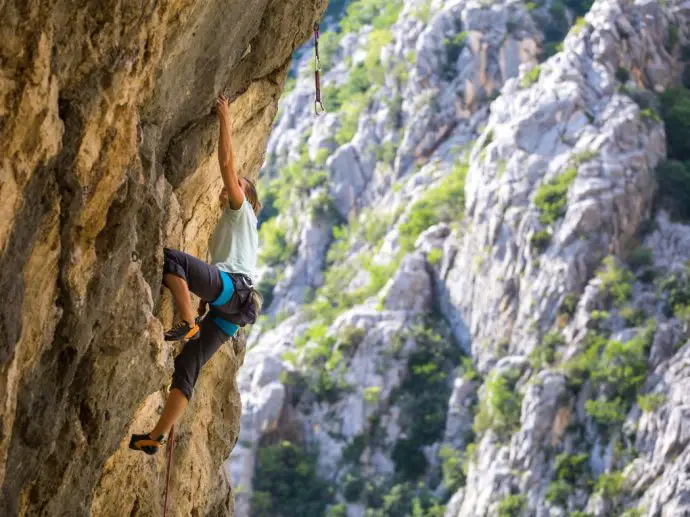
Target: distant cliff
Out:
[485,306]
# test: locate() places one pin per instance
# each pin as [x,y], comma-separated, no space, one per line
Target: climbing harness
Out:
[317,73]
[171,444]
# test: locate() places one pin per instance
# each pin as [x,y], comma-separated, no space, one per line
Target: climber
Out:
[226,285]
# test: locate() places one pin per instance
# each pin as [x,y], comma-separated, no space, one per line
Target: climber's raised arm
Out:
[226,158]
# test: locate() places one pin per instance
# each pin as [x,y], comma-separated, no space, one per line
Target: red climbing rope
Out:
[317,72]
[171,444]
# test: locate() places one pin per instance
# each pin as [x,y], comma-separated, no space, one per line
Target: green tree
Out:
[286,484]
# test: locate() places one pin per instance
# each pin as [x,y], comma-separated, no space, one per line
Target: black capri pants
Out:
[205,281]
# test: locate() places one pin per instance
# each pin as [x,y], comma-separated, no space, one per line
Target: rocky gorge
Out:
[477,265]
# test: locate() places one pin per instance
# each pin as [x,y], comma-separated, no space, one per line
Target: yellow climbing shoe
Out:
[182,331]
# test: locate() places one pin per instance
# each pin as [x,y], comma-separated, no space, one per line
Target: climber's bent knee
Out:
[195,355]
[182,380]
[203,279]
[173,263]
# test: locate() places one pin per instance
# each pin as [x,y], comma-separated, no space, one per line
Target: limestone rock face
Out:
[107,142]
[536,134]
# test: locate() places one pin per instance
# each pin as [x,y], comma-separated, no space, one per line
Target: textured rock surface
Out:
[107,141]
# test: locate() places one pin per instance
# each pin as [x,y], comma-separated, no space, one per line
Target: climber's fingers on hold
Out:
[222,100]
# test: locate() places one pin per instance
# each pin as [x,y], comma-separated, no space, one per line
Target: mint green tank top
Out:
[235,241]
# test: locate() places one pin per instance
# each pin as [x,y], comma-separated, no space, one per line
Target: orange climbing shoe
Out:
[144,442]
[182,331]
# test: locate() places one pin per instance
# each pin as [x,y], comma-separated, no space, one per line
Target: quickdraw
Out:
[318,104]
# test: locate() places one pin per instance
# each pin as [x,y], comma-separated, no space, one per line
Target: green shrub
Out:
[328,47]
[551,48]
[294,183]
[552,197]
[579,24]
[673,177]
[569,305]
[545,353]
[499,408]
[530,77]
[378,39]
[675,290]
[434,256]
[266,287]
[376,227]
[512,506]
[578,368]
[469,371]
[262,504]
[353,451]
[579,513]
[423,12]
[451,466]
[275,247]
[558,492]
[445,202]
[423,395]
[353,486]
[640,257]
[350,99]
[676,113]
[320,206]
[540,240]
[349,120]
[372,394]
[337,510]
[386,152]
[624,365]
[584,156]
[453,48]
[325,367]
[410,462]
[632,512]
[268,198]
[332,97]
[555,29]
[649,116]
[607,412]
[572,468]
[651,402]
[379,274]
[340,245]
[285,483]
[616,282]
[610,485]
[621,367]
[633,317]
[358,81]
[470,456]
[327,387]
[321,157]
[599,318]
[622,75]
[350,336]
[379,13]
[403,499]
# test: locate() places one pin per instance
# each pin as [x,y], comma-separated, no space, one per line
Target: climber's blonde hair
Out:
[252,196]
